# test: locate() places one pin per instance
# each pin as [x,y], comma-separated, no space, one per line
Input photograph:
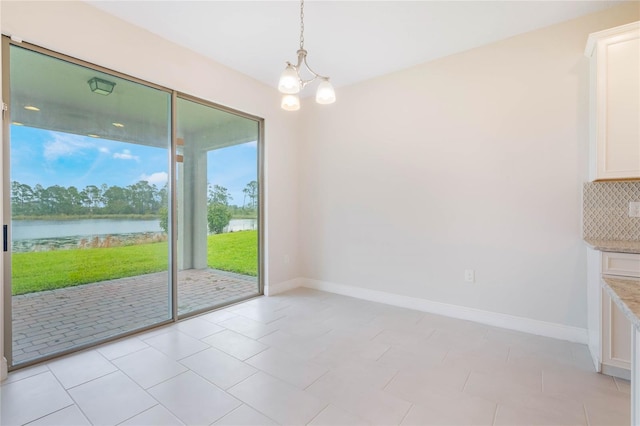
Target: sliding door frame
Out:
[260,122]
[7,42]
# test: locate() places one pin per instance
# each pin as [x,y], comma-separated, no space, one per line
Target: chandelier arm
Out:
[302,60]
[315,74]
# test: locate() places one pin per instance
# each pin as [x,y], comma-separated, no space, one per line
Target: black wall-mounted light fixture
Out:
[100,86]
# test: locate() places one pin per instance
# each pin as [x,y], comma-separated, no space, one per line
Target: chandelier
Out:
[291,82]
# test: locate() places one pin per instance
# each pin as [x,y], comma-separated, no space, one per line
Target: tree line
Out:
[140,198]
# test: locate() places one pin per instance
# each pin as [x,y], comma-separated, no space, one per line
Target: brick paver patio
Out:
[52,321]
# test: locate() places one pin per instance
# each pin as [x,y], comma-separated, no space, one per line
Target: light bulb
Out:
[289,81]
[290,103]
[325,93]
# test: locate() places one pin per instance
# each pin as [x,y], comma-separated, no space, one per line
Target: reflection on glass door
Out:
[217,207]
[89,156]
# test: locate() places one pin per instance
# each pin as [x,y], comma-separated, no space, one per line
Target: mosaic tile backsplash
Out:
[606,211]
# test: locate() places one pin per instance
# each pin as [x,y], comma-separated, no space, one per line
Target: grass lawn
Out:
[37,271]
[235,252]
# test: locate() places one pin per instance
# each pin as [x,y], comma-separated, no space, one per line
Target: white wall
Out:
[474,161]
[79,30]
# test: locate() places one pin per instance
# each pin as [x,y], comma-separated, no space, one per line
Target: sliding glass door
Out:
[89,160]
[128,205]
[217,206]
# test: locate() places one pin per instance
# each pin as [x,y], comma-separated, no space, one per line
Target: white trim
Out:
[527,325]
[3,369]
[620,372]
[594,37]
[273,289]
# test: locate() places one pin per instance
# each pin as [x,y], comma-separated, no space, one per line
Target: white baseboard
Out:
[622,373]
[4,370]
[527,325]
[273,289]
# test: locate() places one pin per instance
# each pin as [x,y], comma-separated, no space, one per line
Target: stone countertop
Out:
[625,292]
[614,246]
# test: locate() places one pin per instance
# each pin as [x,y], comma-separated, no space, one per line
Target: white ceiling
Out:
[350,41]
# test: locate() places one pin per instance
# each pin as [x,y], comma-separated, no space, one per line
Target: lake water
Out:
[236,225]
[44,235]
[38,229]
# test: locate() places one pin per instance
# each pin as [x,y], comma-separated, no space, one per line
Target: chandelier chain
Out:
[301,24]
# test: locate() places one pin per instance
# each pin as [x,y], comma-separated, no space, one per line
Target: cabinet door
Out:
[618,107]
[616,335]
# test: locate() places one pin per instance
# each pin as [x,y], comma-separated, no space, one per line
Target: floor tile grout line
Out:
[141,412]
[411,405]
[316,380]
[318,413]
[232,355]
[160,382]
[129,353]
[50,413]
[187,356]
[243,380]
[229,387]
[586,413]
[239,407]
[146,390]
[86,416]
[466,381]
[3,384]
[113,372]
[377,334]
[433,331]
[495,414]
[616,383]
[384,388]
[88,381]
[383,353]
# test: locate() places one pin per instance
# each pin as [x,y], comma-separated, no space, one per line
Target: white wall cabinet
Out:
[615,103]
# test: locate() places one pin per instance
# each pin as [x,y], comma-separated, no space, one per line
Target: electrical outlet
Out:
[469,275]
[634,209]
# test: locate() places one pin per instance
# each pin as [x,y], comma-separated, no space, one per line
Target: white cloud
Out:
[125,155]
[103,150]
[158,178]
[64,145]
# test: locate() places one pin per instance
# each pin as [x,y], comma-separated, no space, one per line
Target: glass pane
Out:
[89,157]
[217,192]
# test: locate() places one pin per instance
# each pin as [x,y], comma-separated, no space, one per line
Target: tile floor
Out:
[308,357]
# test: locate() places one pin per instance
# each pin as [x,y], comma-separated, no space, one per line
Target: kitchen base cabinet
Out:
[610,331]
[616,340]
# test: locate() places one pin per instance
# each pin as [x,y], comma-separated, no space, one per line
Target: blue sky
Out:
[52,158]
